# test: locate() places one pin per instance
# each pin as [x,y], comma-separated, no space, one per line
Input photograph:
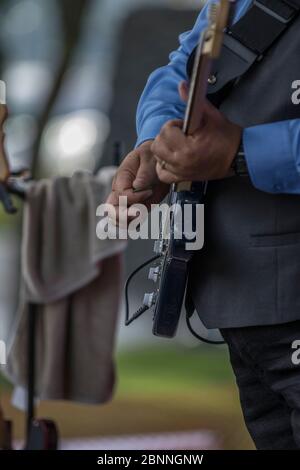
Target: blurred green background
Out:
[159,390]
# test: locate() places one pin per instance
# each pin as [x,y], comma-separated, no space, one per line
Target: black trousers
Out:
[268,378]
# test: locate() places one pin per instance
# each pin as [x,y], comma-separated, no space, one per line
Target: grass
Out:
[4,384]
[8,220]
[169,369]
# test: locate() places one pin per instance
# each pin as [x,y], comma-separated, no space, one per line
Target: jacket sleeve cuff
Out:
[270,159]
[151,128]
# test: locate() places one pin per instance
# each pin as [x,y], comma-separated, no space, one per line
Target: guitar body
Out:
[170,299]
[174,251]
[174,265]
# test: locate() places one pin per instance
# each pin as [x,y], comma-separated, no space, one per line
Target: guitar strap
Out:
[249,39]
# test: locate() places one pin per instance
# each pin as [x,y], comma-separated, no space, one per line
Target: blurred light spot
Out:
[23,18]
[27,83]
[77,135]
[74,141]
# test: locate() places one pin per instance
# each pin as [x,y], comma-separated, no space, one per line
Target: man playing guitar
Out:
[245,280]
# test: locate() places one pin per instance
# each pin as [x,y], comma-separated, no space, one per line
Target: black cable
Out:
[201,338]
[144,308]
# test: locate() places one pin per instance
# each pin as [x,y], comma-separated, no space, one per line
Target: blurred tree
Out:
[72,14]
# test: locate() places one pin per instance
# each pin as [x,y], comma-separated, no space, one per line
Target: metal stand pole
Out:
[31,367]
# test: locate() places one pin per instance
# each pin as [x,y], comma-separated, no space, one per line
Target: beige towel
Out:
[76,279]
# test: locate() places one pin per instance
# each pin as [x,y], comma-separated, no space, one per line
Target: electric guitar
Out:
[173,247]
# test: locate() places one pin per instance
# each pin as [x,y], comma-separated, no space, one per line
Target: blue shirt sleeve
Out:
[160,101]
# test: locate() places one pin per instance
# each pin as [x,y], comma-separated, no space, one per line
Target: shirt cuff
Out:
[270,159]
[151,128]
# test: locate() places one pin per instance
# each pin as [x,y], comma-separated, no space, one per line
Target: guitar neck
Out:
[195,107]
[209,49]
[198,89]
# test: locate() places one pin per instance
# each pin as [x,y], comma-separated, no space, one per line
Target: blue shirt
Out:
[272,150]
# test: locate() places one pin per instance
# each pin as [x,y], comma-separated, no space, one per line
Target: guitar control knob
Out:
[158,247]
[149,299]
[153,274]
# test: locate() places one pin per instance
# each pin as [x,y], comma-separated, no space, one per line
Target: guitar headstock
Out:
[218,16]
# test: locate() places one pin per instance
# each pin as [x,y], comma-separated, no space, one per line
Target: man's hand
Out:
[206,155]
[138,172]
